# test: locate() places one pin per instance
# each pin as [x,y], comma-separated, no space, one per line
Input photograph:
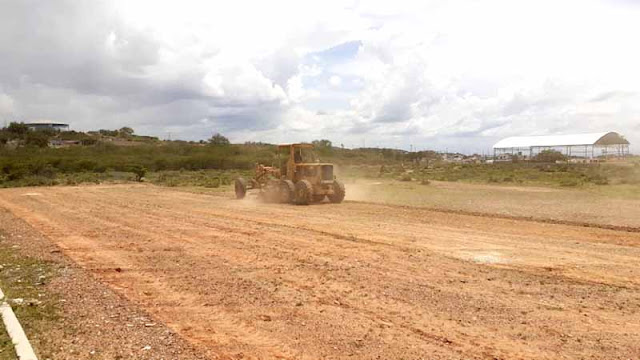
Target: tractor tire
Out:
[338,193]
[287,191]
[304,192]
[241,188]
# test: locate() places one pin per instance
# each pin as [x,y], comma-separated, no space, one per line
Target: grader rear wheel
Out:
[287,191]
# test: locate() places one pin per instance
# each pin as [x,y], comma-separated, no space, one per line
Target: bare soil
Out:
[611,205]
[239,279]
[66,313]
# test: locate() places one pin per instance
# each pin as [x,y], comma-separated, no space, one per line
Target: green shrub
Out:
[139,171]
[37,139]
[70,181]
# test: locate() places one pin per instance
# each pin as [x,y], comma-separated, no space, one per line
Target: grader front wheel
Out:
[241,188]
[338,193]
[304,192]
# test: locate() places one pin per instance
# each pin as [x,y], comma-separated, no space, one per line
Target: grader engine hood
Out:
[326,172]
[321,172]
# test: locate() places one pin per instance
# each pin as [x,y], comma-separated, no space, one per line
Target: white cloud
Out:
[335,80]
[6,104]
[431,72]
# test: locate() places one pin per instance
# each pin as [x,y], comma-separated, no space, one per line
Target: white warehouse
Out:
[590,145]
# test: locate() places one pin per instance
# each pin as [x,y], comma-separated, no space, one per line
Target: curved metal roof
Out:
[46,122]
[601,138]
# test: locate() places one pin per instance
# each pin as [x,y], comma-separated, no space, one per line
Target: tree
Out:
[125,131]
[18,128]
[218,140]
[321,144]
[105,132]
[4,137]
[323,147]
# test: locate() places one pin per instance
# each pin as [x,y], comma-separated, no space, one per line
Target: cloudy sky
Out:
[454,75]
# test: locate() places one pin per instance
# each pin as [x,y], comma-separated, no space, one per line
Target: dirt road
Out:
[247,280]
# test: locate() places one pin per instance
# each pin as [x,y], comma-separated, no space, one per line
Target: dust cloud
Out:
[361,190]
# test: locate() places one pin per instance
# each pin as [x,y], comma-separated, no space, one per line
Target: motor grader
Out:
[299,179]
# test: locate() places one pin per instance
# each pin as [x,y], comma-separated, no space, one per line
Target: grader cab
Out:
[300,178]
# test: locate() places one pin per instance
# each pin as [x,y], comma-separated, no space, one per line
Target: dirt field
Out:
[245,280]
[615,205]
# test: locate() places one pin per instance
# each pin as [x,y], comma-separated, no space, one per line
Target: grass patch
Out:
[211,179]
[536,174]
[7,351]
[22,280]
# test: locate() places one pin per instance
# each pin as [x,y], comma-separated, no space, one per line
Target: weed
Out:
[23,278]
[569,182]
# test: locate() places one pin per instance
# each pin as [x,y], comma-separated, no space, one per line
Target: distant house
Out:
[452,158]
[47,125]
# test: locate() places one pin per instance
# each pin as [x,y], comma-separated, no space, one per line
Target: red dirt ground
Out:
[245,280]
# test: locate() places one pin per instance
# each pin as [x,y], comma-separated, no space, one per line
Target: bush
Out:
[569,182]
[425,181]
[43,170]
[406,177]
[139,170]
[4,137]
[549,156]
[598,179]
[85,165]
[37,139]
[213,183]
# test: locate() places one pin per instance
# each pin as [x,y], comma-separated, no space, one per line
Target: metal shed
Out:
[574,145]
[47,124]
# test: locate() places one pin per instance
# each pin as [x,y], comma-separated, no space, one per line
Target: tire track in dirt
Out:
[146,281]
[396,295]
[424,334]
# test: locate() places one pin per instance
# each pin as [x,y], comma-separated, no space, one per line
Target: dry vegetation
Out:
[617,205]
[6,347]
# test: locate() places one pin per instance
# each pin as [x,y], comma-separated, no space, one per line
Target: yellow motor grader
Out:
[300,179]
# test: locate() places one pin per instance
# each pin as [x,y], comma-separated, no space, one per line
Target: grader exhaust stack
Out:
[300,180]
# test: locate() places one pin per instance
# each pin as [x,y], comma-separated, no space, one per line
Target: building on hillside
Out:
[47,125]
[587,146]
[452,157]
